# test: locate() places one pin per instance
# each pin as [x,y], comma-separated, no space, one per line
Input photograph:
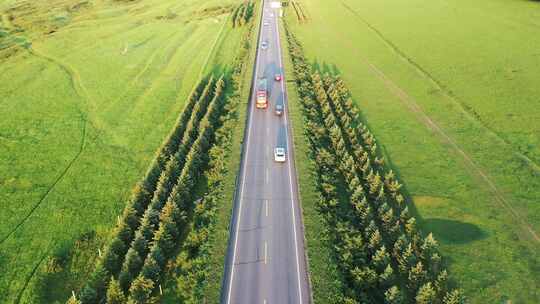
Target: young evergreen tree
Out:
[426,294]
[88,295]
[454,297]
[417,276]
[99,279]
[115,295]
[133,261]
[151,269]
[131,267]
[139,244]
[164,239]
[364,279]
[387,278]
[140,290]
[393,296]
[129,216]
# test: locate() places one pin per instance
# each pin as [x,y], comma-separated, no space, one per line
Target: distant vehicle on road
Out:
[279,109]
[264,45]
[262,94]
[279,155]
[277,77]
[266,23]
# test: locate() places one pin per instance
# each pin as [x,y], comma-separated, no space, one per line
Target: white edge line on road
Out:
[250,119]
[266,206]
[289,163]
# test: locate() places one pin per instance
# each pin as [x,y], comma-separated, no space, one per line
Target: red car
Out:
[277,77]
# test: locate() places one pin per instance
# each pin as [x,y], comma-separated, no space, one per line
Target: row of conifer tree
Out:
[192,267]
[380,253]
[242,14]
[156,217]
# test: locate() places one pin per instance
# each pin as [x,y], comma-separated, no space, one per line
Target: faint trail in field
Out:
[147,64]
[81,91]
[151,59]
[58,179]
[29,278]
[74,77]
[78,45]
[413,106]
[439,86]
[171,51]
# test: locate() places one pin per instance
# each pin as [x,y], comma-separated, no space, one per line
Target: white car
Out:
[279,155]
[266,23]
[264,45]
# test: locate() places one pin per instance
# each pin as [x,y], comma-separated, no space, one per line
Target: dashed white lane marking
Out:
[265,252]
[300,300]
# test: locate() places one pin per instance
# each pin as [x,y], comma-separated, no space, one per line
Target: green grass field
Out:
[450,89]
[89,90]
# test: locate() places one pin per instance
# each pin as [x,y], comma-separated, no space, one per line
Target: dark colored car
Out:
[279,109]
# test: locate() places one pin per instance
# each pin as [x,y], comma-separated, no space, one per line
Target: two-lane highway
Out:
[265,262]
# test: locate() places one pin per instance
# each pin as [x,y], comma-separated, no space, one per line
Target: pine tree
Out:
[98,279]
[170,213]
[426,294]
[429,246]
[133,261]
[111,261]
[381,258]
[148,223]
[364,278]
[131,267]
[124,279]
[115,295]
[164,240]
[151,269]
[139,244]
[417,276]
[88,295]
[454,297]
[387,278]
[130,217]
[410,227]
[393,296]
[140,196]
[441,283]
[375,240]
[140,290]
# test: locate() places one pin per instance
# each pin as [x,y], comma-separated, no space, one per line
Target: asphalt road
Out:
[265,262]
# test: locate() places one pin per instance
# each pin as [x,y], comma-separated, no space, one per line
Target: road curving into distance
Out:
[266,260]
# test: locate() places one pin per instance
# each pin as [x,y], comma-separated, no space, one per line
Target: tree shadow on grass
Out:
[453,232]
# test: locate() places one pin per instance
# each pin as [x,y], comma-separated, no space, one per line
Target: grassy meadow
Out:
[88,91]
[450,90]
